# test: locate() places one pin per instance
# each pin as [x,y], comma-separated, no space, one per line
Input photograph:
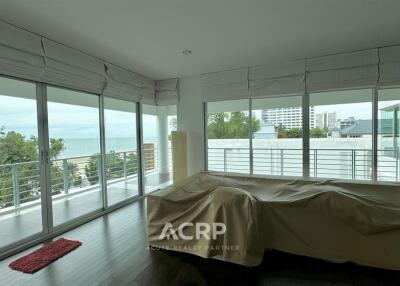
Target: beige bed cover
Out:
[332,220]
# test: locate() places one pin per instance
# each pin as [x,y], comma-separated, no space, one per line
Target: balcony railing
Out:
[354,164]
[20,182]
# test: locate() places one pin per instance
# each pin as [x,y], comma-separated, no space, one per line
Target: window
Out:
[277,136]
[228,131]
[158,122]
[121,150]
[20,184]
[388,134]
[341,137]
[74,132]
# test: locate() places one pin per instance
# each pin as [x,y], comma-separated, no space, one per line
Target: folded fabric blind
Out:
[70,68]
[278,79]
[342,71]
[21,53]
[167,92]
[126,85]
[389,66]
[225,85]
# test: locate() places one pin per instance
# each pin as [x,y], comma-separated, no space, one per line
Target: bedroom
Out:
[271,124]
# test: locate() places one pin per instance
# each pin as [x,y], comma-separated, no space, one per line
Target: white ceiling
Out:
[148,36]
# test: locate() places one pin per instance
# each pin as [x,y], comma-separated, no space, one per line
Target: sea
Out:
[76,147]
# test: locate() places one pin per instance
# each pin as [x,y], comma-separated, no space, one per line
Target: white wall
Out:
[190,119]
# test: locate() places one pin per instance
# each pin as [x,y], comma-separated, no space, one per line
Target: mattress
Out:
[329,219]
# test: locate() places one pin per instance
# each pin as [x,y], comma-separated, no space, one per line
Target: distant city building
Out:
[267,131]
[345,123]
[326,120]
[289,117]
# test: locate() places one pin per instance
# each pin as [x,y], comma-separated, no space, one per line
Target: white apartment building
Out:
[326,120]
[289,117]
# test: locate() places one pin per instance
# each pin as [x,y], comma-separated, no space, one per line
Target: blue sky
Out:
[70,121]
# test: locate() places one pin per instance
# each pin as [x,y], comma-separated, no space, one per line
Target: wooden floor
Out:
[114,252]
[18,225]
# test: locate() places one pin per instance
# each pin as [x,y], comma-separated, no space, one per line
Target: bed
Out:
[330,219]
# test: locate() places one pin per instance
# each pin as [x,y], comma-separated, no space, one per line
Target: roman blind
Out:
[225,85]
[342,71]
[67,67]
[21,53]
[389,66]
[167,92]
[126,85]
[278,79]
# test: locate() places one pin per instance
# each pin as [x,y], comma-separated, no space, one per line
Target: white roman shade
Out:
[71,68]
[225,85]
[277,80]
[389,66]
[126,85]
[342,71]
[21,53]
[167,92]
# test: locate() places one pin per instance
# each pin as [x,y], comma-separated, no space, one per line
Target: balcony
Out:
[75,188]
[353,164]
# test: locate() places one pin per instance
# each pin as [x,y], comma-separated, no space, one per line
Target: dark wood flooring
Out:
[115,252]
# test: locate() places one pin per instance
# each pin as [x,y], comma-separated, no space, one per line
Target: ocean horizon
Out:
[76,147]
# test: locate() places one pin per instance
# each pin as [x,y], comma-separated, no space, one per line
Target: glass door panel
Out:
[121,150]
[158,122]
[74,135]
[20,188]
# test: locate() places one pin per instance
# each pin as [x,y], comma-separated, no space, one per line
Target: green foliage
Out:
[114,166]
[16,148]
[233,125]
[318,133]
[295,133]
[298,132]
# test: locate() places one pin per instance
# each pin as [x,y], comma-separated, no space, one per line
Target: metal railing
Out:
[354,164]
[20,182]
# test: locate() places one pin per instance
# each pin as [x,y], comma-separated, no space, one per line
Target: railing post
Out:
[66,176]
[353,164]
[281,162]
[225,161]
[99,168]
[125,167]
[315,163]
[397,165]
[15,181]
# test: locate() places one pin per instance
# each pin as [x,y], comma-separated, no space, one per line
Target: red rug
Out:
[44,256]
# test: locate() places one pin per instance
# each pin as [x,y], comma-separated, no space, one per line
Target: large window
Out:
[277,136]
[121,149]
[20,184]
[340,138]
[158,122]
[388,134]
[74,132]
[228,131]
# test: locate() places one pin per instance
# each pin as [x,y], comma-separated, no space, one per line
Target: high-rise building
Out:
[326,120]
[289,117]
[345,123]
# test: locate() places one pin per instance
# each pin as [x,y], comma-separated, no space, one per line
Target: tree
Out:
[114,166]
[282,132]
[294,133]
[16,148]
[234,125]
[317,133]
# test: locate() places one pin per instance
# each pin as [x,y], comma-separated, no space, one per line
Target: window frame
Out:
[306,136]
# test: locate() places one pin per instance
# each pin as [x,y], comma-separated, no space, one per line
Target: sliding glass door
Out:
[158,121]
[20,184]
[121,150]
[74,149]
